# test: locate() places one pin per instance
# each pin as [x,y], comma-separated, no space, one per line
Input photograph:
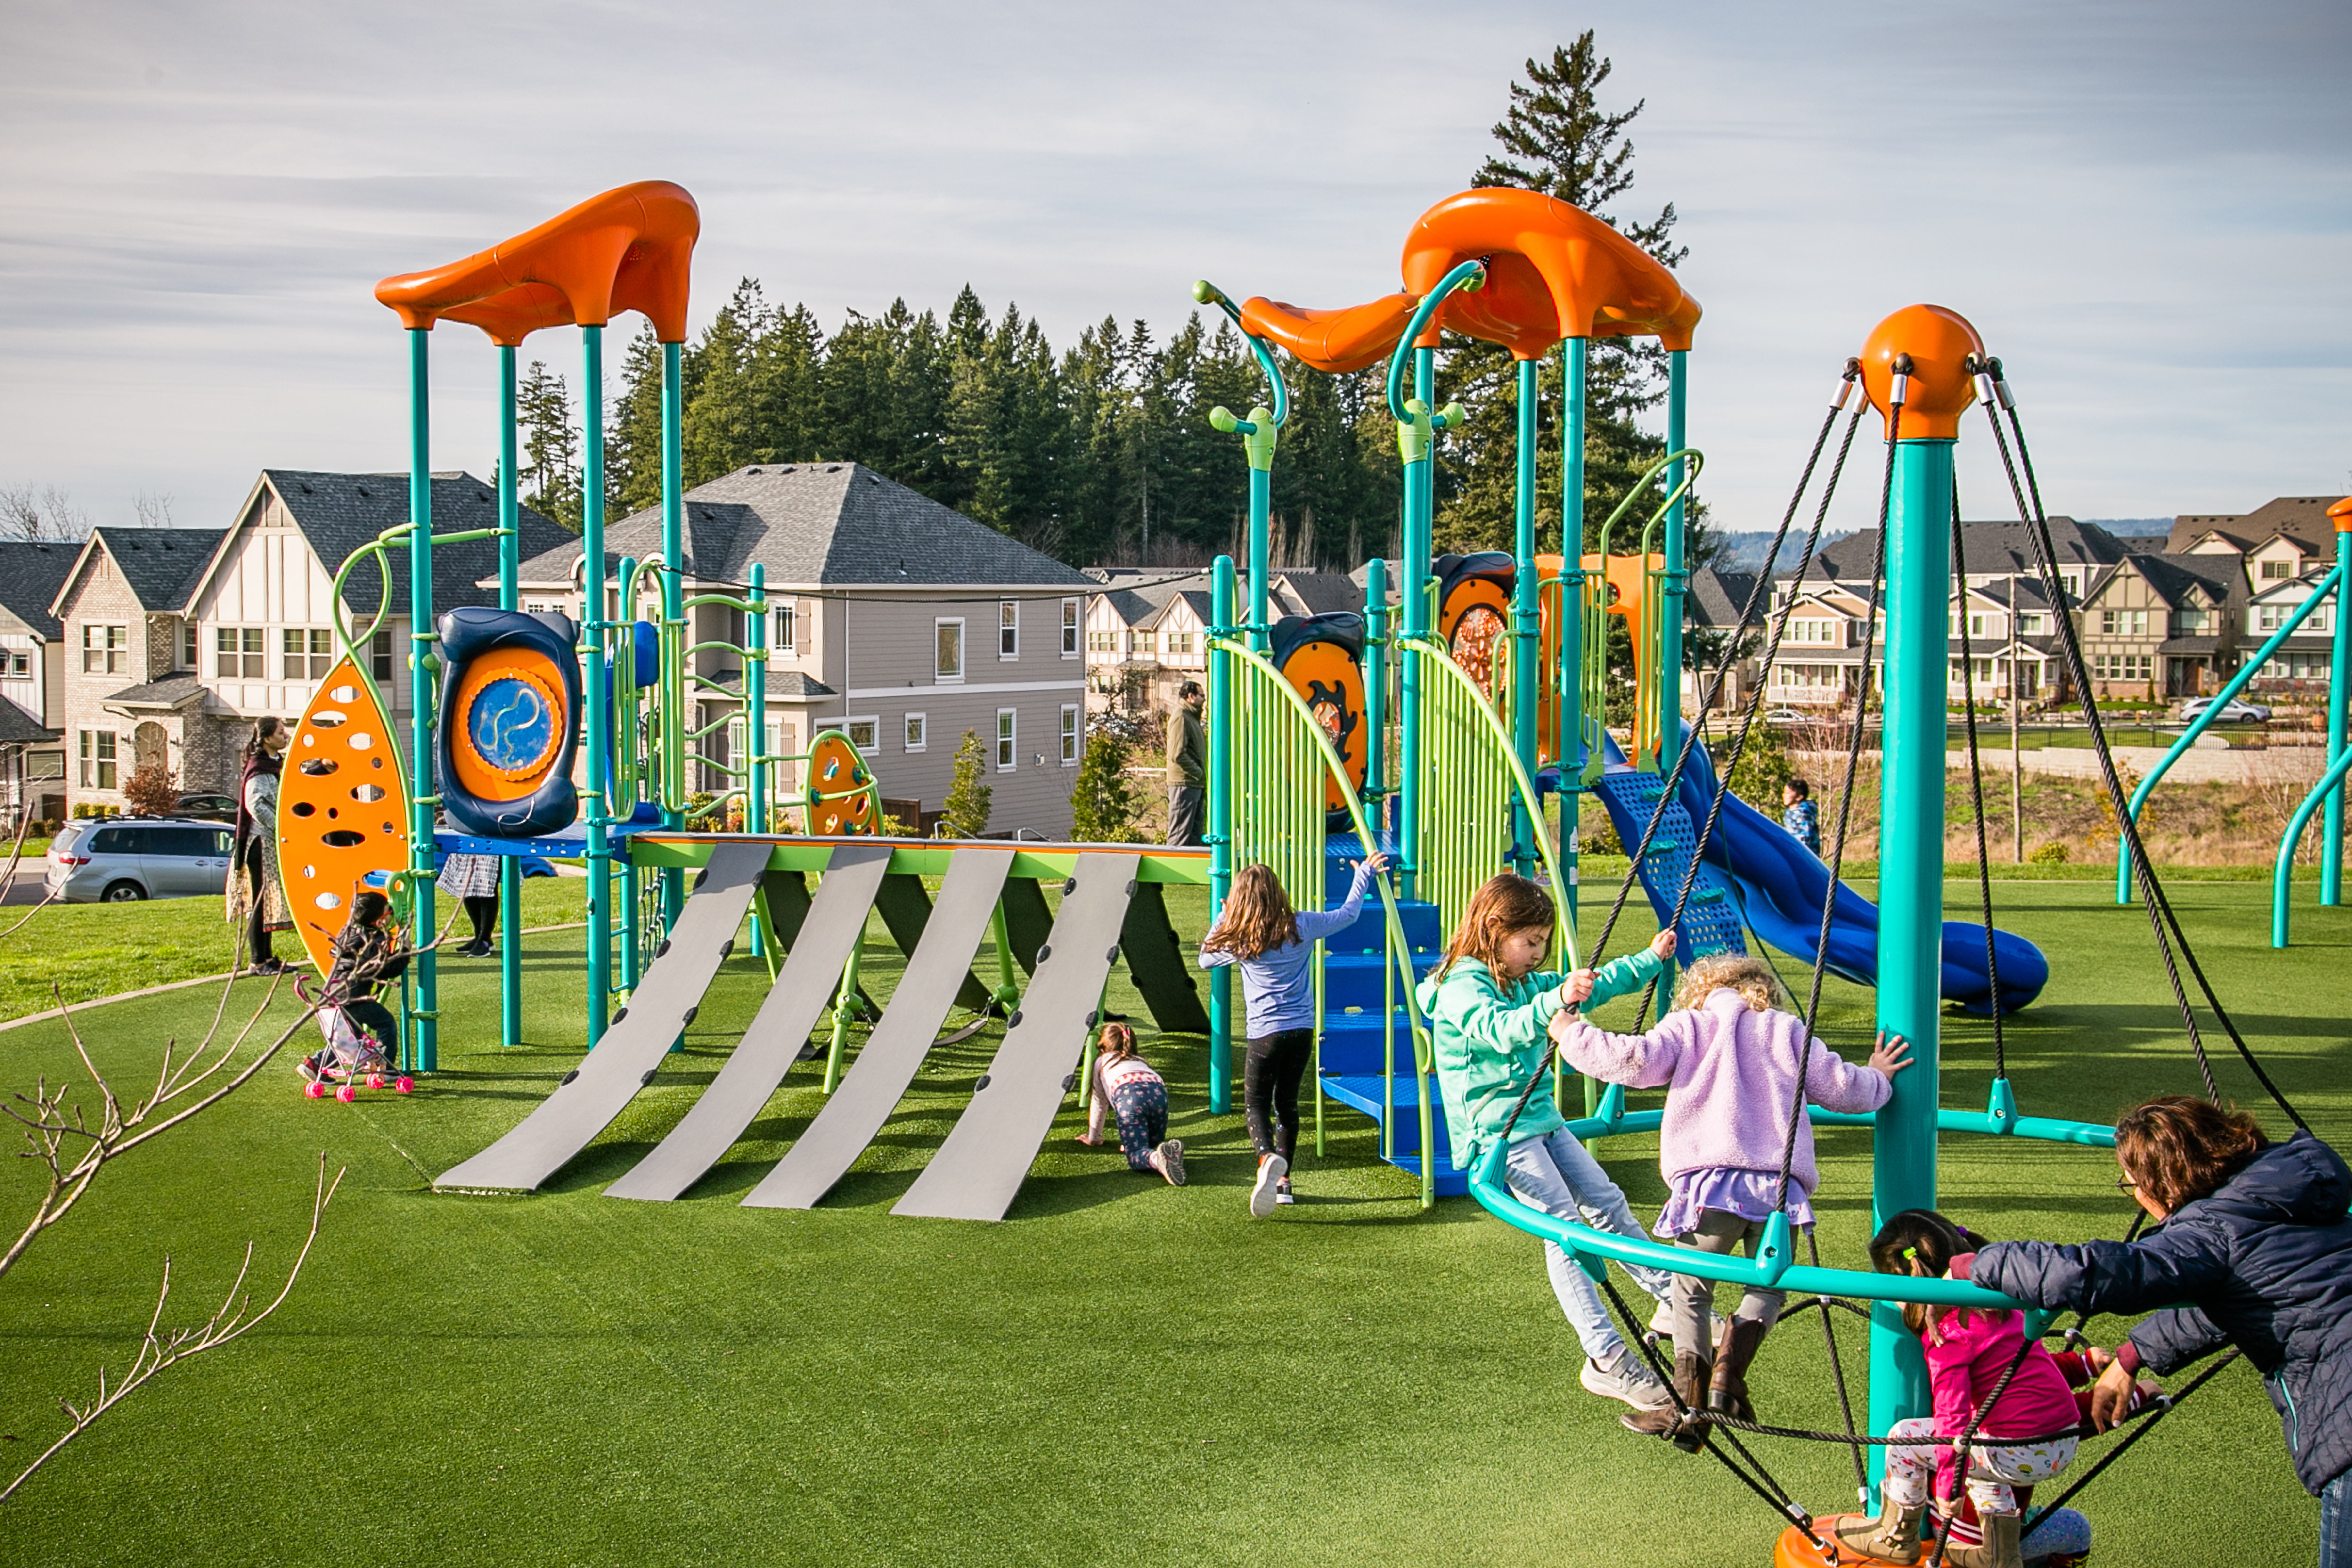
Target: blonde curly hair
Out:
[1751,977]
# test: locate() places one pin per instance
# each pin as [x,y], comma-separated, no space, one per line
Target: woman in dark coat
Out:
[2253,1248]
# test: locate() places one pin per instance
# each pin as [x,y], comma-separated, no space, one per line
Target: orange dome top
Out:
[1553,271]
[1940,343]
[2341,512]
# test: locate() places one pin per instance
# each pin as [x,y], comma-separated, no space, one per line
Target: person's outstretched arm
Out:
[1637,1061]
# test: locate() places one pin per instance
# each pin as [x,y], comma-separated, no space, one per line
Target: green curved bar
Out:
[2330,584]
[2283,872]
[1460,278]
[1208,293]
[379,547]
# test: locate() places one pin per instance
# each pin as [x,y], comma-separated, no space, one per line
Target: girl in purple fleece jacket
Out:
[1727,1057]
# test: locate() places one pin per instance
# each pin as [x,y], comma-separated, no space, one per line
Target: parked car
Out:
[123,860]
[2234,711]
[1787,716]
[209,808]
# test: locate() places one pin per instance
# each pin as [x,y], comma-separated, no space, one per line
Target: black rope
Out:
[2162,919]
[1976,784]
[1837,1377]
[2157,1410]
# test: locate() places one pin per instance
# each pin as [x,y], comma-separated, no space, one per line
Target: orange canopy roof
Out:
[628,249]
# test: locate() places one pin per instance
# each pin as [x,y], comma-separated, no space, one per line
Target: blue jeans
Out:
[1557,1174]
[2336,1523]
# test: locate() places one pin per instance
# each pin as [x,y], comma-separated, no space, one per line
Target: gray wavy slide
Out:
[804,988]
[864,1100]
[626,1059]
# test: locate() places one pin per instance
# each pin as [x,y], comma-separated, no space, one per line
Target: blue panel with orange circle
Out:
[509,707]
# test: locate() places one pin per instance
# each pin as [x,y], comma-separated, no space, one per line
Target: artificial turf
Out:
[1121,1373]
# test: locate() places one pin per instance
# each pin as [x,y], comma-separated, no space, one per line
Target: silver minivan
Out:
[121,859]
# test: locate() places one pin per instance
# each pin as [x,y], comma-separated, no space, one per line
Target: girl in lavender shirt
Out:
[1728,1058]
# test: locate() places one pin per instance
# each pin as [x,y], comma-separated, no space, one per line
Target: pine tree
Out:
[1105,805]
[968,801]
[549,477]
[633,443]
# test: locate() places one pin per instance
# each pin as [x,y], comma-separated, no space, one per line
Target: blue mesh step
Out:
[1363,1092]
[1710,922]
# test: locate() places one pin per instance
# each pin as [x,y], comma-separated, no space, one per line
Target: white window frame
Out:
[1071,621]
[1008,739]
[1069,734]
[940,675]
[914,731]
[1008,629]
[872,741]
[317,643]
[108,653]
[784,630]
[191,645]
[2277,569]
[382,661]
[258,652]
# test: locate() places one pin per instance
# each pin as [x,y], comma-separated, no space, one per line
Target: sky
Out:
[2146,208]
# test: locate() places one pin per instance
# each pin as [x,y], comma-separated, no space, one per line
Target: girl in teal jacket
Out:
[1489,1008]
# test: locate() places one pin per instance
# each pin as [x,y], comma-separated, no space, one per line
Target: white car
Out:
[1787,716]
[2232,712]
[125,860]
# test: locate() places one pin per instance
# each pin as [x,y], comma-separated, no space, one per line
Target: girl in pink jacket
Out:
[1727,1057]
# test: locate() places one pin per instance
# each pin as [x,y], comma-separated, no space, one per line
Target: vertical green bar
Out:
[1573,360]
[1911,884]
[1525,620]
[509,558]
[672,464]
[600,702]
[2339,692]
[1260,483]
[1670,617]
[1415,584]
[1376,677]
[1221,829]
[422,666]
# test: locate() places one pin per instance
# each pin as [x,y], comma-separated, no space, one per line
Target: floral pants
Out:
[1141,1108]
[1992,1468]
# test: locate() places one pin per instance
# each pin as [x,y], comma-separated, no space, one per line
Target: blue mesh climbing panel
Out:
[1710,922]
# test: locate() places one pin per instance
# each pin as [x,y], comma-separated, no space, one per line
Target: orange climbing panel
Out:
[342,808]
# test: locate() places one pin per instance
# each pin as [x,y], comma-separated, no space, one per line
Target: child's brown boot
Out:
[1728,1389]
[1892,1537]
[2001,1548]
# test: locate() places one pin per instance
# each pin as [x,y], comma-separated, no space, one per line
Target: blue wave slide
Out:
[1753,873]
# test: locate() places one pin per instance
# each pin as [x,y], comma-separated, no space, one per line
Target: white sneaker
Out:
[1282,1197]
[1629,1380]
[1271,1169]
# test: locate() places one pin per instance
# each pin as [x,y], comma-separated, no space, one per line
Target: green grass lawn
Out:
[1121,1372]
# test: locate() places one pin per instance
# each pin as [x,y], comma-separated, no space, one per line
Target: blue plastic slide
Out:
[1780,887]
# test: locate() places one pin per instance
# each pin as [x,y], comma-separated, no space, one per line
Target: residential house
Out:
[1713,615]
[1123,634]
[1994,551]
[2156,626]
[1820,654]
[178,639]
[2276,543]
[2302,665]
[32,679]
[2011,643]
[892,617]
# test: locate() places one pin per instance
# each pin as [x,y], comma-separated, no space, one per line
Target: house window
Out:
[918,732]
[20,663]
[737,738]
[380,656]
[1069,734]
[105,650]
[2274,571]
[1976,626]
[864,733]
[188,644]
[98,759]
[1180,642]
[2123,623]
[236,653]
[2122,667]
[1070,628]
[1102,642]
[305,653]
[1008,628]
[2191,622]
[786,618]
[2030,626]
[948,663]
[1145,642]
[1006,719]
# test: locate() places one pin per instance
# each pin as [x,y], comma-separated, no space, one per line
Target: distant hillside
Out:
[1746,551]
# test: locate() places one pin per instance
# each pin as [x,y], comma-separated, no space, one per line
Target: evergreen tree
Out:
[968,801]
[1105,805]
[549,477]
[633,441]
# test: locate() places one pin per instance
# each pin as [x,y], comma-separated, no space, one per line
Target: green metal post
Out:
[2339,692]
[755,721]
[509,557]
[1911,883]
[1526,626]
[624,769]
[1670,618]
[422,666]
[600,696]
[1221,829]
[673,448]
[1376,686]
[844,1004]
[1574,359]
[1415,446]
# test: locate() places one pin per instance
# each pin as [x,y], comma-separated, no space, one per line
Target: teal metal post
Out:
[1412,585]
[1911,884]
[2339,692]
[673,879]
[755,718]
[592,624]
[2283,872]
[509,558]
[1376,689]
[625,657]
[1526,621]
[1260,484]
[1221,829]
[1575,356]
[1678,582]
[424,793]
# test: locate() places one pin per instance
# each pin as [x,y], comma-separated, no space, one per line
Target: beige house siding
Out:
[2141,623]
[95,599]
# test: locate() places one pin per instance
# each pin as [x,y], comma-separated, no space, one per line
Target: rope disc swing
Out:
[1771,1264]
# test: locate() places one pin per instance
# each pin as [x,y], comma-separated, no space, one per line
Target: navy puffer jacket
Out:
[2265,1263]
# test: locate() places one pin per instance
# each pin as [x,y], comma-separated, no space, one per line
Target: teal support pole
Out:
[1260,485]
[424,793]
[2282,873]
[2339,692]
[673,464]
[755,723]
[1526,622]
[1575,358]
[1412,583]
[509,559]
[624,787]
[1911,884]
[1670,619]
[592,624]
[1221,830]
[1376,689]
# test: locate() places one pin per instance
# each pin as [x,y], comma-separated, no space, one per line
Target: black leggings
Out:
[483,910]
[256,928]
[1270,1088]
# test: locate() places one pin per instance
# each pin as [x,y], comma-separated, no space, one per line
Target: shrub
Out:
[2051,854]
[969,800]
[1105,805]
[1765,766]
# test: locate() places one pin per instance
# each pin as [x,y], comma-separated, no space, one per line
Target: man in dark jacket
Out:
[2261,1259]
[1188,767]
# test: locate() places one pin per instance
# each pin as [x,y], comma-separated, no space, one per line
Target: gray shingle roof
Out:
[824,525]
[2172,575]
[1717,598]
[171,691]
[18,728]
[792,683]
[1992,547]
[2303,519]
[339,512]
[32,573]
[159,565]
[1324,591]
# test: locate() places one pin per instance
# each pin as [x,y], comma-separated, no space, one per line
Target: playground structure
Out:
[1457,730]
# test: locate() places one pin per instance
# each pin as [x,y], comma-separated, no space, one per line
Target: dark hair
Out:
[1501,906]
[1927,1239]
[368,908]
[2179,1149]
[263,728]
[1798,788]
[1189,689]
[1256,917]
